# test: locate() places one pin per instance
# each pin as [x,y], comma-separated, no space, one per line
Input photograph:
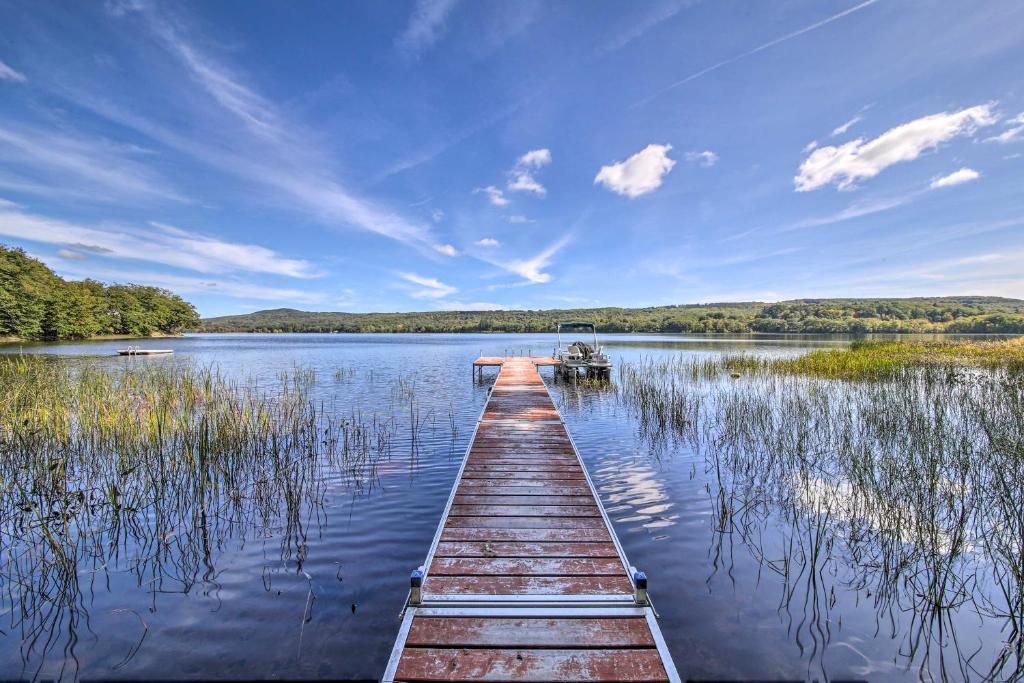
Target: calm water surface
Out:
[258,610]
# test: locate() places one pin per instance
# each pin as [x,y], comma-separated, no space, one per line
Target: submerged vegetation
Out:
[971,314]
[151,470]
[36,304]
[903,487]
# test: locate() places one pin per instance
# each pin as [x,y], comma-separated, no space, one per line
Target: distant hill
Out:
[855,316]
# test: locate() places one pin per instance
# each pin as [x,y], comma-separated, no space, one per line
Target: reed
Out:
[904,487]
[171,461]
[880,360]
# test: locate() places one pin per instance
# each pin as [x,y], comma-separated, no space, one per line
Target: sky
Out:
[452,154]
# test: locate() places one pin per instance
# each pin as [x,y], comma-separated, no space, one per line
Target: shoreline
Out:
[6,341]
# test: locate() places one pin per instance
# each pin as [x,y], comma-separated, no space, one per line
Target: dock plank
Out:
[433,664]
[529,632]
[524,527]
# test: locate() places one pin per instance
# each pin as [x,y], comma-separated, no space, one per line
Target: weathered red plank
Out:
[528,585]
[479,488]
[491,548]
[534,566]
[518,632]
[525,522]
[589,535]
[554,469]
[525,476]
[525,510]
[431,664]
[553,484]
[523,500]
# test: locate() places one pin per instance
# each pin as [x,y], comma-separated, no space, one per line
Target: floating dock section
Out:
[525,579]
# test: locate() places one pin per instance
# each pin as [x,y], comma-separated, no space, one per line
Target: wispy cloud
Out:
[489,242]
[426,25]
[531,269]
[188,284]
[862,159]
[759,48]
[426,287]
[266,149]
[639,174]
[855,210]
[840,130]
[446,249]
[8,73]
[707,158]
[1014,131]
[156,243]
[964,175]
[473,306]
[494,195]
[98,169]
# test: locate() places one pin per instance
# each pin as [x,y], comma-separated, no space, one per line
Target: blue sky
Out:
[444,154]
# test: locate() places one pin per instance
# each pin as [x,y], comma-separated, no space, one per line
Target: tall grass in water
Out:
[171,461]
[906,489]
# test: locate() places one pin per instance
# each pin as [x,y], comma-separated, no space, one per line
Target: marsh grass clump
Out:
[170,460]
[887,359]
[905,488]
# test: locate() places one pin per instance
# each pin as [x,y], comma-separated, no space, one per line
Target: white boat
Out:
[137,351]
[580,355]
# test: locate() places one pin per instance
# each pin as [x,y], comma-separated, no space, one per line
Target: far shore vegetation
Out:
[958,314]
[38,305]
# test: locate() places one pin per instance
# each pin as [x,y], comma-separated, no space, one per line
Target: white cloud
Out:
[426,25]
[494,195]
[437,216]
[810,146]
[426,287]
[707,158]
[839,130]
[157,243]
[518,219]
[535,158]
[964,175]
[523,181]
[639,174]
[488,242]
[9,74]
[446,249]
[1013,132]
[73,255]
[521,176]
[860,159]
[531,269]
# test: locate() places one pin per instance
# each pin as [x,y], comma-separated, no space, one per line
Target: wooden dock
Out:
[525,579]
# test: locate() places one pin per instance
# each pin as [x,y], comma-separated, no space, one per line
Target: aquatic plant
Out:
[905,489]
[170,460]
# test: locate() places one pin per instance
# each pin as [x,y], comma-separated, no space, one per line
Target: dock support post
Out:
[640,583]
[416,586]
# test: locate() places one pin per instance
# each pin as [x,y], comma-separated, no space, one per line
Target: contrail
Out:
[759,48]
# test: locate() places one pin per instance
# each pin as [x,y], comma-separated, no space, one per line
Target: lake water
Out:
[261,607]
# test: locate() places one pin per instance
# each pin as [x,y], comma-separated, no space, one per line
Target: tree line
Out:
[844,316]
[37,304]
